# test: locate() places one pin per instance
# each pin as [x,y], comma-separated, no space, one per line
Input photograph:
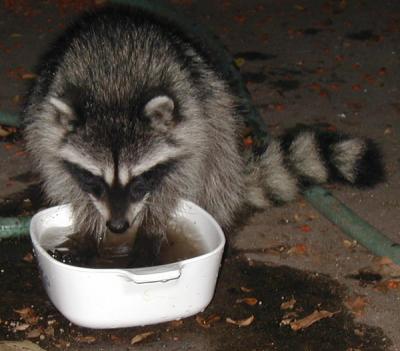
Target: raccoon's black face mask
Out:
[117,199]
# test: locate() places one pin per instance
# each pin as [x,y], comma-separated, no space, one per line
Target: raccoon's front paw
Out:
[83,243]
[146,251]
[78,250]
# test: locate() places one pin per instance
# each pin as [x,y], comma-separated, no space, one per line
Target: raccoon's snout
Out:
[117,226]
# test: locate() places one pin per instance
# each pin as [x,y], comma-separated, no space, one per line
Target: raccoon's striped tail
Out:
[304,156]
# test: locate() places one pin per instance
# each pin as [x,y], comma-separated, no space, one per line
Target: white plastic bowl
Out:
[114,298]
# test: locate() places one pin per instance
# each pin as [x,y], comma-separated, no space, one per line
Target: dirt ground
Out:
[332,63]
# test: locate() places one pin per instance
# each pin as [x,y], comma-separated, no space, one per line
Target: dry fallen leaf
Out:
[28,257]
[383,274]
[310,319]
[301,203]
[305,228]
[34,333]
[288,318]
[251,301]
[21,327]
[89,339]
[6,131]
[299,249]
[51,321]
[28,315]
[297,217]
[393,283]
[240,61]
[240,18]
[285,321]
[299,7]
[29,75]
[288,305]
[356,304]
[176,323]
[8,146]
[388,131]
[388,284]
[241,322]
[356,87]
[334,86]
[350,244]
[24,311]
[16,99]
[382,71]
[207,322]
[359,332]
[386,267]
[115,338]
[49,331]
[245,289]
[62,344]
[140,337]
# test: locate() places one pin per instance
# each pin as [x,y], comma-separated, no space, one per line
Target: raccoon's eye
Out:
[138,188]
[150,180]
[87,181]
[93,185]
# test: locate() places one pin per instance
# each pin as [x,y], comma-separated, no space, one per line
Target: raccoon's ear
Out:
[160,111]
[66,115]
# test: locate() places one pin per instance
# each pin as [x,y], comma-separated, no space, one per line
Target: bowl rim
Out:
[142,270]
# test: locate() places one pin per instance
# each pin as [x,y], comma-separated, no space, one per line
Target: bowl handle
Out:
[155,274]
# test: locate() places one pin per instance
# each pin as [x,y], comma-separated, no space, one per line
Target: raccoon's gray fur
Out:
[128,116]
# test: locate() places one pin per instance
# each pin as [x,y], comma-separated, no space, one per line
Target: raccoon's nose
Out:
[117,225]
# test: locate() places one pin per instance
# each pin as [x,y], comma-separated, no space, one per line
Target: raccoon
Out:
[128,116]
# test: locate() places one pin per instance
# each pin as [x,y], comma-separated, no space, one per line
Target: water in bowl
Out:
[183,242]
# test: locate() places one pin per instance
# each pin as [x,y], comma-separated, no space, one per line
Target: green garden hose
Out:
[13,227]
[9,119]
[352,225]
